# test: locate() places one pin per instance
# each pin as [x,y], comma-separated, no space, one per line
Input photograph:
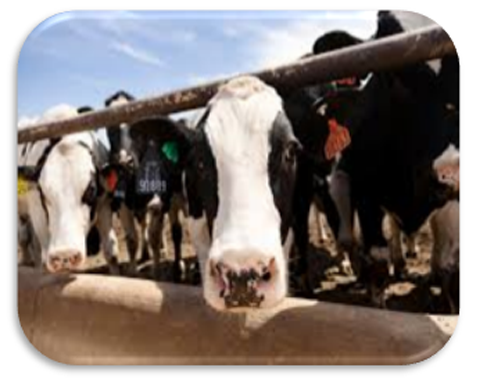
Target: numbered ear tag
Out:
[151,177]
[338,139]
[22,186]
[450,175]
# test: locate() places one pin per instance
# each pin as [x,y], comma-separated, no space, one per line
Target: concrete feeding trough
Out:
[93,319]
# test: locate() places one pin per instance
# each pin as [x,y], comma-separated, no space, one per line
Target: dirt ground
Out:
[412,295]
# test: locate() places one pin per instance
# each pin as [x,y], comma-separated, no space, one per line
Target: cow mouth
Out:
[240,290]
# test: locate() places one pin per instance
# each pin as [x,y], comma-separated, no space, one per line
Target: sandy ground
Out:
[330,285]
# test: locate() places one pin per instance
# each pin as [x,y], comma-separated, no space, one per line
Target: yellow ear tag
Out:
[22,186]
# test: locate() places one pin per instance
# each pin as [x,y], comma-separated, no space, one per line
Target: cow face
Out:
[240,165]
[62,201]
[121,150]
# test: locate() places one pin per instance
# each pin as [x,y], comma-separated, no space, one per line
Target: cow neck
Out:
[43,158]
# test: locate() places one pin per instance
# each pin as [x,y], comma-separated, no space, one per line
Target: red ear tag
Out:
[112,180]
[338,139]
[349,81]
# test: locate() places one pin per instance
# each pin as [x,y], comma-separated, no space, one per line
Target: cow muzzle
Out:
[248,285]
[64,261]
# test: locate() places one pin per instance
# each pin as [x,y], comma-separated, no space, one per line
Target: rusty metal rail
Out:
[387,53]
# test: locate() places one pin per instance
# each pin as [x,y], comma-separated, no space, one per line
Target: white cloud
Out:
[277,46]
[25,121]
[137,54]
[54,113]
[198,79]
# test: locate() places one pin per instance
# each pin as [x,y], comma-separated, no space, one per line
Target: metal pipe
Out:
[386,53]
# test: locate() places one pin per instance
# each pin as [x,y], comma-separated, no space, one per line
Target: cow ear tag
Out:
[22,186]
[151,175]
[112,179]
[338,139]
[170,151]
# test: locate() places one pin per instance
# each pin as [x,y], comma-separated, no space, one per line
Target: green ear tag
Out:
[170,150]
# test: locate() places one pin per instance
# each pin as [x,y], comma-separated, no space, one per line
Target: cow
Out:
[63,199]
[403,121]
[129,157]
[239,173]
[393,125]
[311,111]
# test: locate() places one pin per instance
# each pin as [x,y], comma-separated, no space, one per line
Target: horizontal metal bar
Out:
[387,53]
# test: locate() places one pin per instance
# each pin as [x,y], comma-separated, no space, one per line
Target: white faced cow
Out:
[62,198]
[239,175]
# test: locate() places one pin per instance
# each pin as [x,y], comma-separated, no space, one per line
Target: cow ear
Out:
[27,177]
[175,138]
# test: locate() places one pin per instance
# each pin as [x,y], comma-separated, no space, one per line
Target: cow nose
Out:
[66,260]
[242,286]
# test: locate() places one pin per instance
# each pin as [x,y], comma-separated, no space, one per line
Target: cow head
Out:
[239,173]
[62,191]
[121,151]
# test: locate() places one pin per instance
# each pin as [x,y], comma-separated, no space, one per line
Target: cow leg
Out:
[320,224]
[334,221]
[109,242]
[302,204]
[156,223]
[396,249]
[340,219]
[28,243]
[375,267]
[128,223]
[145,255]
[177,204]
[411,248]
[445,258]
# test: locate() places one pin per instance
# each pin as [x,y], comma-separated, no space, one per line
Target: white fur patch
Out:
[238,130]
[447,166]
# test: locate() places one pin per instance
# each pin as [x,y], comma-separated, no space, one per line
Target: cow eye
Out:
[89,196]
[291,151]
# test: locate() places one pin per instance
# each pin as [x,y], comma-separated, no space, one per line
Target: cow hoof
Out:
[132,270]
[145,256]
[400,272]
[301,286]
[177,272]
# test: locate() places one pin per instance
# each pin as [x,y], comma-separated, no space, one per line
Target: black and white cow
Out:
[403,121]
[239,175]
[63,199]
[313,112]
[129,157]
[399,123]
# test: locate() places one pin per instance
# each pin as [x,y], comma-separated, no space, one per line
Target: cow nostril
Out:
[75,259]
[266,276]
[54,262]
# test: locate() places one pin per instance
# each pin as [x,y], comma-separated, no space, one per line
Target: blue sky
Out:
[81,58]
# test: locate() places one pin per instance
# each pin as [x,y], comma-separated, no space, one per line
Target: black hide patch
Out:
[93,241]
[282,169]
[201,178]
